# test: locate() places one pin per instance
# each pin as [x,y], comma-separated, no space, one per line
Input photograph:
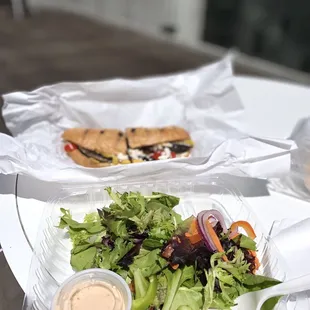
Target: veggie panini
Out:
[97,148]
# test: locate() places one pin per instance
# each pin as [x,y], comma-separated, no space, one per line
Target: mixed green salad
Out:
[169,263]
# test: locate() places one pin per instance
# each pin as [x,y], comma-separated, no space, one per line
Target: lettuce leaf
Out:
[84,259]
[188,298]
[148,262]
[234,280]
[91,227]
[161,290]
[175,279]
[245,242]
[83,234]
[167,200]
[117,228]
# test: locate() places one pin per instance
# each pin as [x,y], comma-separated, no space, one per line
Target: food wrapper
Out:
[203,101]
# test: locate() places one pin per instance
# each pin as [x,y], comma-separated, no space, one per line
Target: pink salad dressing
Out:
[93,295]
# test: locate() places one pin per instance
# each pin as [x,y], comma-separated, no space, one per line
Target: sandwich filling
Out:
[105,147]
[102,158]
[167,150]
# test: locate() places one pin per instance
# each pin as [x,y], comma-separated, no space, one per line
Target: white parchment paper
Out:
[203,101]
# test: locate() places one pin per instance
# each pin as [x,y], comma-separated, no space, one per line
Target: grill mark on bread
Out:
[109,143]
[128,154]
[95,155]
[142,136]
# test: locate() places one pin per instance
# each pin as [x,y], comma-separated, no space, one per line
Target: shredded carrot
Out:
[243,224]
[215,239]
[132,287]
[234,234]
[256,261]
[193,229]
[193,238]
[175,266]
[193,233]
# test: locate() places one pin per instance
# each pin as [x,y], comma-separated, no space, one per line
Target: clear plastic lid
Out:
[51,260]
[297,183]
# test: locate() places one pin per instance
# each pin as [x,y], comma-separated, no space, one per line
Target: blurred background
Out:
[48,41]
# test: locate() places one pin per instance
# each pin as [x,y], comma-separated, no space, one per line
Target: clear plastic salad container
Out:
[299,300]
[51,258]
[297,183]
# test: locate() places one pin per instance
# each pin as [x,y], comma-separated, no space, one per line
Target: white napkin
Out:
[204,101]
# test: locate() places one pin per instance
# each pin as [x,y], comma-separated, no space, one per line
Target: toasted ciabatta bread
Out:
[95,147]
[141,137]
[102,141]
[82,160]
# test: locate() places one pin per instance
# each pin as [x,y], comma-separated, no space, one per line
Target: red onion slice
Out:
[204,216]
[218,216]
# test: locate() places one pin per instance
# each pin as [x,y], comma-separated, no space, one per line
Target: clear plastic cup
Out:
[91,277]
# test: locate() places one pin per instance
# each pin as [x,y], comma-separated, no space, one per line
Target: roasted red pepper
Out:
[69,147]
[243,224]
[156,155]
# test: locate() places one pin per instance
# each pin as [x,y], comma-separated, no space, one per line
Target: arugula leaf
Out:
[270,303]
[164,222]
[151,243]
[83,259]
[245,242]
[67,221]
[82,235]
[125,205]
[143,221]
[115,196]
[63,220]
[167,200]
[120,249]
[257,282]
[109,259]
[238,267]
[155,205]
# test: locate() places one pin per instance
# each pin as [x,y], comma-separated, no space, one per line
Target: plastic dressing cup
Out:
[93,289]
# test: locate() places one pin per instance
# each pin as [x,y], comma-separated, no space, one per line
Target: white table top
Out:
[264,102]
